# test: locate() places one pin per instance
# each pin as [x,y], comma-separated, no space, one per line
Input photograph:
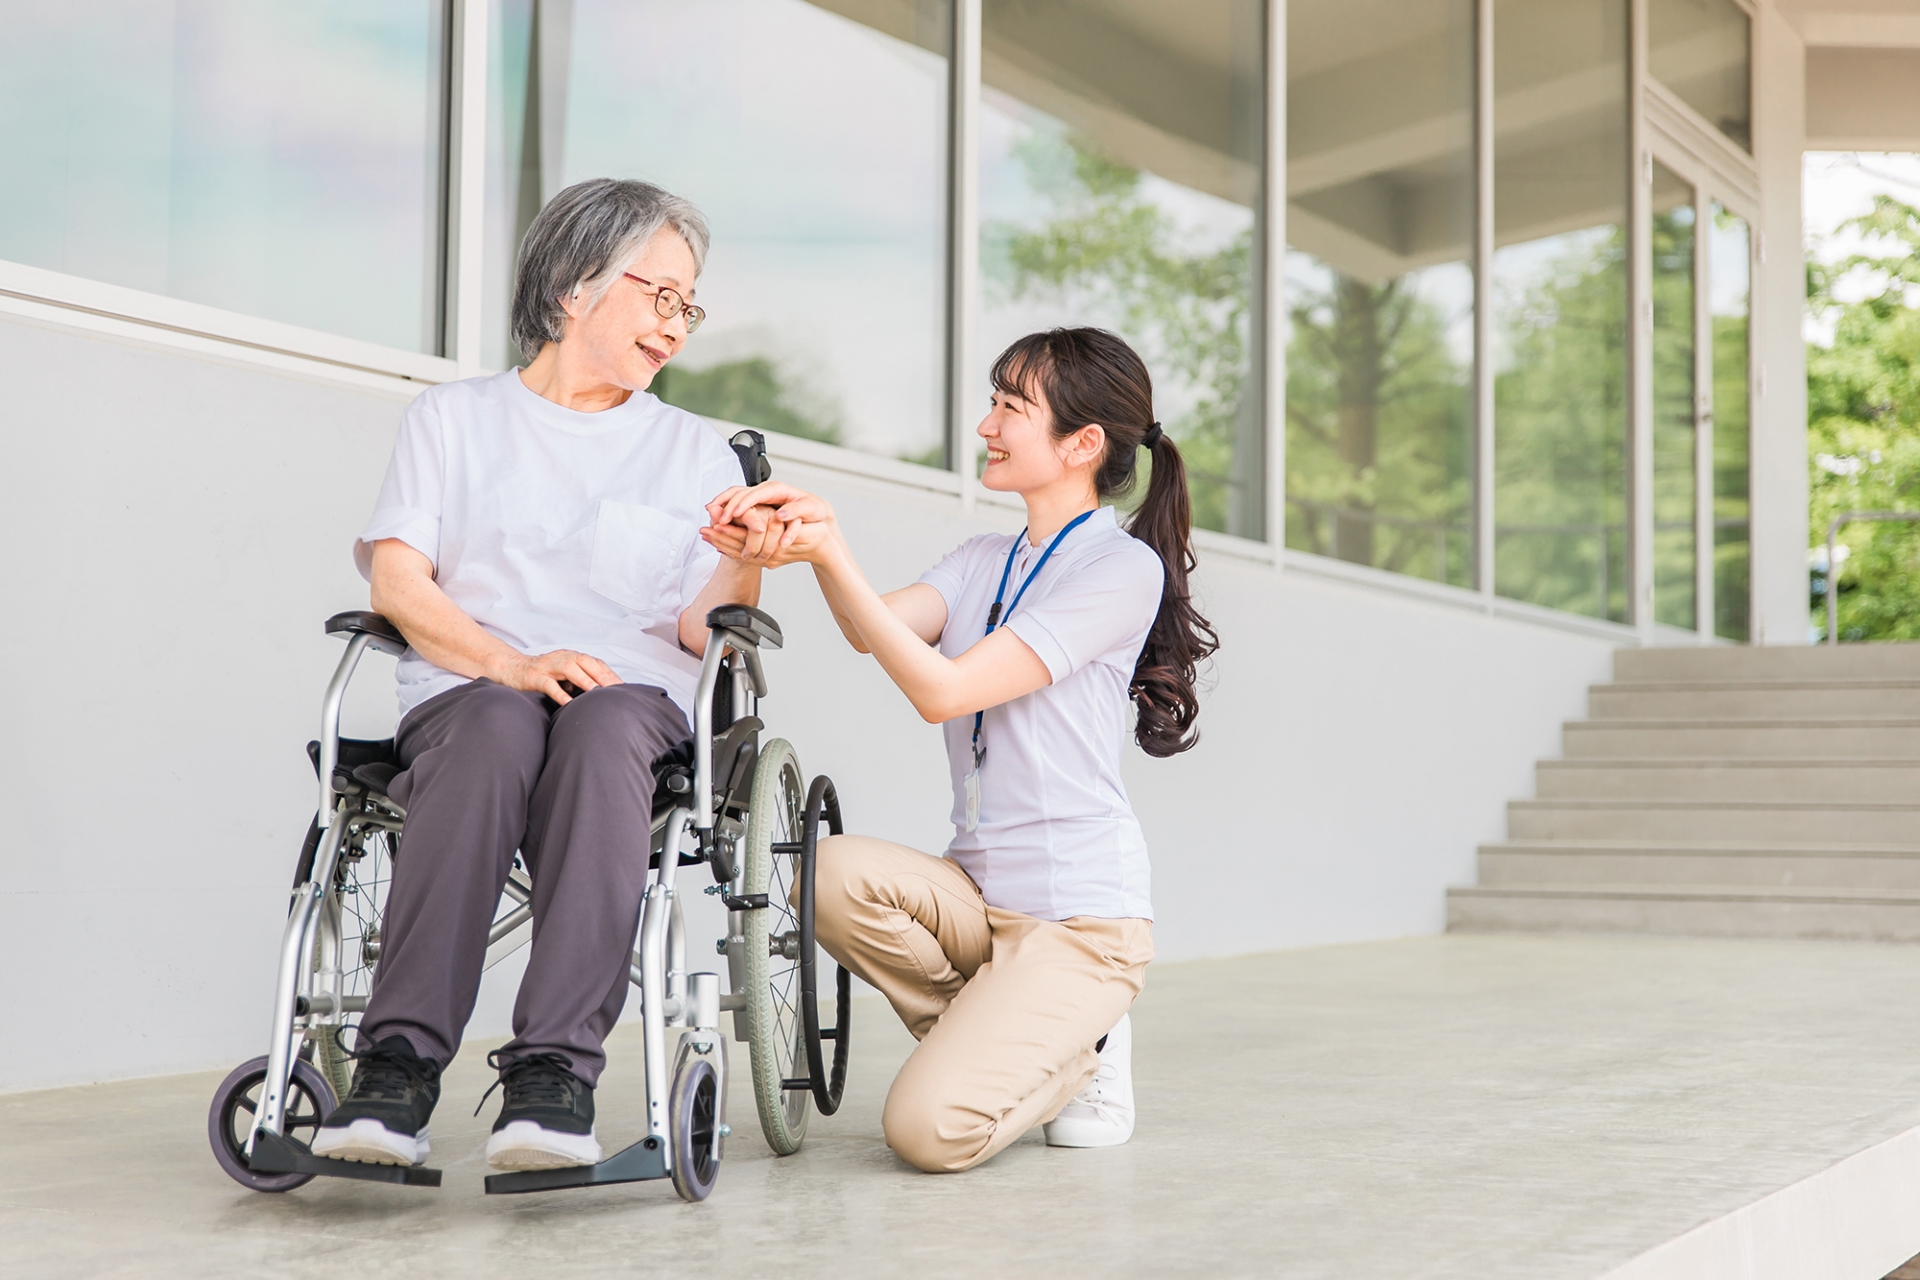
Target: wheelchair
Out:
[723,800]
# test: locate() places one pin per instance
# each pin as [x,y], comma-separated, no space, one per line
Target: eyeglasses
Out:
[668,303]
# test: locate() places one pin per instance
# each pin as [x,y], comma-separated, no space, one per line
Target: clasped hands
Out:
[770,525]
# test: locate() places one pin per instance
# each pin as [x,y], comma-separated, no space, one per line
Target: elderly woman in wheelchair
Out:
[535,564]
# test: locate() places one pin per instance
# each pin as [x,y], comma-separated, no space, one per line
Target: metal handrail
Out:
[1833,574]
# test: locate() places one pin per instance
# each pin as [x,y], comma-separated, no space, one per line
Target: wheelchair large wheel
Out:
[769,972]
[693,1123]
[356,905]
[231,1120]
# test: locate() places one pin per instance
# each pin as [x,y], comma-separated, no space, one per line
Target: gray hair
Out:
[581,242]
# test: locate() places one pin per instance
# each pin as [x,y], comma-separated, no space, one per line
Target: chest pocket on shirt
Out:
[638,554]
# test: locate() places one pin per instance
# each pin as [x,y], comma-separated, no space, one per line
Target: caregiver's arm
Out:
[803,519]
[405,593]
[998,669]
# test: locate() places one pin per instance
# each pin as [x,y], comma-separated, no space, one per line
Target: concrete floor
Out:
[1472,1107]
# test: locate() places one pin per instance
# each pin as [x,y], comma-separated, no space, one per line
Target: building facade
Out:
[1478,322]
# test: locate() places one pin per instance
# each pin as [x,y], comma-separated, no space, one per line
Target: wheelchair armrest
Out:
[383,634]
[745,622]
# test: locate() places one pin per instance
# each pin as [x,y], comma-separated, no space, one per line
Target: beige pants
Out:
[1006,1007]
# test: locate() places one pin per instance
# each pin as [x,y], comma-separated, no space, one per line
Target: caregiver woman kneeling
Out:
[1014,959]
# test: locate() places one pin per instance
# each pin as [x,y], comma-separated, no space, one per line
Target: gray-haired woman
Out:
[536,542]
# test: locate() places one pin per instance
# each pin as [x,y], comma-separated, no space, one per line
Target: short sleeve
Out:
[949,575]
[410,499]
[719,471]
[1103,608]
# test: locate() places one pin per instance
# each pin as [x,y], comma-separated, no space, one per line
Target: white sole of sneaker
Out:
[1075,1132]
[370,1142]
[525,1145]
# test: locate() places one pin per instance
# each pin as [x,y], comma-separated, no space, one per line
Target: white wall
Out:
[178,529]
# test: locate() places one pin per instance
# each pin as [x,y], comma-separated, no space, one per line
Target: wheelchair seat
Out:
[372,764]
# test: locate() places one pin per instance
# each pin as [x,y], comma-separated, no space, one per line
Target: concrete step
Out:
[1889,915]
[1565,862]
[1756,700]
[1802,662]
[1788,739]
[1684,821]
[1728,779]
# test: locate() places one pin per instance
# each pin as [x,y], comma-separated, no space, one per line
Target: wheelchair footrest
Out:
[641,1162]
[273,1153]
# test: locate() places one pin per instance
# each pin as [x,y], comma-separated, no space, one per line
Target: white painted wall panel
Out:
[178,528]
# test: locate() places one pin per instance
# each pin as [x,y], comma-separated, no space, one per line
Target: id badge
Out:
[973,798]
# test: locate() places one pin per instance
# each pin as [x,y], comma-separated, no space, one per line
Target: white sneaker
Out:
[367,1141]
[1101,1115]
[523,1144]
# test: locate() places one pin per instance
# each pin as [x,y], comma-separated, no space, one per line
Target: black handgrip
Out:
[751,448]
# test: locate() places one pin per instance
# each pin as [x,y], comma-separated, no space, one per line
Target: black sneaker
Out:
[383,1119]
[546,1121]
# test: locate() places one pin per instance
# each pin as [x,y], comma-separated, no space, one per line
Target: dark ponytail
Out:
[1087,376]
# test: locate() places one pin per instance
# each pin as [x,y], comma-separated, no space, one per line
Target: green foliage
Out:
[1560,433]
[1863,426]
[1378,440]
[1118,257]
[751,392]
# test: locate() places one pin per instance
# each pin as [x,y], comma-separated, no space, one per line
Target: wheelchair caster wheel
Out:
[694,1125]
[230,1120]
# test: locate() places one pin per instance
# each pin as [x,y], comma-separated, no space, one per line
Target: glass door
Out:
[1701,248]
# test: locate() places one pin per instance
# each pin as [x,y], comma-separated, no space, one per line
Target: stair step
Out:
[1698,910]
[1670,778]
[1784,821]
[1756,700]
[1834,867]
[1789,738]
[1809,662]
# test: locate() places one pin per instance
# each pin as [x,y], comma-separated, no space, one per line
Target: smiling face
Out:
[1023,454]
[624,341]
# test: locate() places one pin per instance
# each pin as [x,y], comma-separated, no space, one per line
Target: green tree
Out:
[1117,256]
[1378,446]
[751,392]
[1863,425]
[1560,433]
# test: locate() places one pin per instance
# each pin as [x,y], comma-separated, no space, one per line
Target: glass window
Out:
[1729,270]
[1379,285]
[1560,291]
[1702,50]
[1120,156]
[813,136]
[281,161]
[1674,405]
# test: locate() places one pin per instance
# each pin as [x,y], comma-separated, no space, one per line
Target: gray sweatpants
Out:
[489,770]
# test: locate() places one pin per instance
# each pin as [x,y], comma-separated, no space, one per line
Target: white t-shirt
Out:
[554,529]
[1057,837]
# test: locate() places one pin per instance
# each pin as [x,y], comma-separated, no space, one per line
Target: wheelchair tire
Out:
[827,1086]
[230,1120]
[693,1122]
[768,974]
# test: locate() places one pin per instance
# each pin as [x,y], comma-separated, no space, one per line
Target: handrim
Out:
[774,1027]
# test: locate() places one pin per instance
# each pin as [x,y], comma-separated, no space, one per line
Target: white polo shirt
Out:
[1057,837]
[554,529]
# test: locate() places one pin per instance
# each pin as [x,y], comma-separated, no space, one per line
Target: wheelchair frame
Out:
[308,999]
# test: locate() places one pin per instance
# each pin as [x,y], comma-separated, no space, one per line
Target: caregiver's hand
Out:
[793,543]
[782,502]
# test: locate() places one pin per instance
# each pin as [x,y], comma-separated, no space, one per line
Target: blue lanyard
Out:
[994,616]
